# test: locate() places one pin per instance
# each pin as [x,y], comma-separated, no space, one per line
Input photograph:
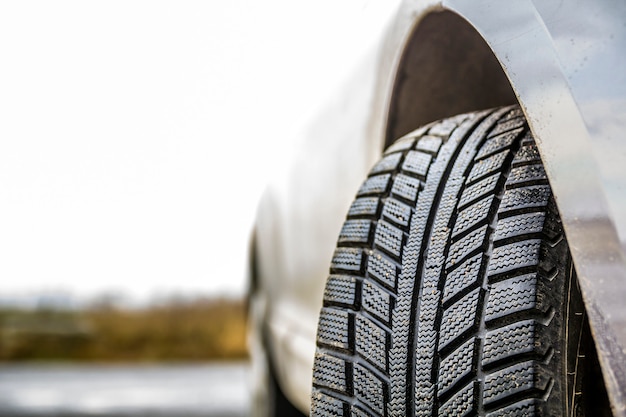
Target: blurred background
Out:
[135,140]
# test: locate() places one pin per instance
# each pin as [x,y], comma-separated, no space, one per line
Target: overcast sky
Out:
[136,136]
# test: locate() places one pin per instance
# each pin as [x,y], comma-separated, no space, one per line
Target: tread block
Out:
[389,237]
[358,412]
[333,329]
[466,245]
[402,144]
[516,112]
[519,225]
[371,342]
[462,277]
[444,128]
[514,256]
[527,154]
[375,185]
[365,206]
[526,173]
[397,212]
[513,380]
[387,163]
[511,296]
[472,215]
[526,197]
[417,163]
[376,301]
[456,365]
[341,289]
[347,259]
[525,408]
[382,269]
[355,231]
[330,372]
[499,142]
[458,318]
[421,407]
[479,190]
[406,187]
[369,388]
[510,340]
[487,166]
[507,125]
[429,144]
[436,252]
[460,404]
[325,405]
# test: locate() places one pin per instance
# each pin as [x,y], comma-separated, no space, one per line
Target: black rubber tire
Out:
[452,291]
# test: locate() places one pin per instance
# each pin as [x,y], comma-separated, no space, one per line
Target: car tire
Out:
[452,291]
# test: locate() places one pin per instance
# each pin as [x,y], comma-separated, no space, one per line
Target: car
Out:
[449,236]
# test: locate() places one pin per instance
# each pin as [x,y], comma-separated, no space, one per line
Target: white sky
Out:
[135,136]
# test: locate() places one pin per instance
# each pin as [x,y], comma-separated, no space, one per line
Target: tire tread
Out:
[443,287]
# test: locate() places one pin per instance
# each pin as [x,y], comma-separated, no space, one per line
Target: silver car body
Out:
[566,64]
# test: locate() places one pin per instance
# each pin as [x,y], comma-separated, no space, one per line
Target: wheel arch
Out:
[446,68]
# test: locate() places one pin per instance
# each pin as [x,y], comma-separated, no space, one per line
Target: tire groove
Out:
[528,183]
[354,359]
[517,239]
[455,388]
[531,394]
[541,317]
[477,225]
[518,358]
[460,295]
[455,343]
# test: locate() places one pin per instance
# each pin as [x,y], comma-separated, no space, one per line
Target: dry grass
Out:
[174,331]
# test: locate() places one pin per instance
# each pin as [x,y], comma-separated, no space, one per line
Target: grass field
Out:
[173,331]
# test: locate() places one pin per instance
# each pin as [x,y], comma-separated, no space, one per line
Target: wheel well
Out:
[447,68]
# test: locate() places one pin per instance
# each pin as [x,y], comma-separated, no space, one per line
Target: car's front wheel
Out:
[452,291]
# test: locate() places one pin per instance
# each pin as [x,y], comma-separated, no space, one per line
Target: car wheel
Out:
[452,290]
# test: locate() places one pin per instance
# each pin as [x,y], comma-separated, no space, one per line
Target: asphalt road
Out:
[192,390]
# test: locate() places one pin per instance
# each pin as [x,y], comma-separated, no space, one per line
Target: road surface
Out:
[191,390]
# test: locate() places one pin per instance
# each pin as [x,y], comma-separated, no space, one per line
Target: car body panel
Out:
[565,63]
[294,250]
